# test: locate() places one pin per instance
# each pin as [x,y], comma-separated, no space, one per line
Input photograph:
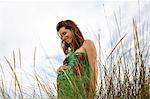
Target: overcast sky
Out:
[27,24]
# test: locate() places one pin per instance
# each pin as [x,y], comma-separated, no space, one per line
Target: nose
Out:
[64,38]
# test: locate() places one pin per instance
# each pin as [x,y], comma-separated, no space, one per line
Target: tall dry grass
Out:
[126,74]
[39,88]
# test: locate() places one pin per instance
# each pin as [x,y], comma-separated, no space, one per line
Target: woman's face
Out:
[66,35]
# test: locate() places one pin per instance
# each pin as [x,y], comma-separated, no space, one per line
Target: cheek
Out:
[68,34]
[71,35]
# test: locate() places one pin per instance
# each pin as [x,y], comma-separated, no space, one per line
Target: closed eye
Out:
[64,33]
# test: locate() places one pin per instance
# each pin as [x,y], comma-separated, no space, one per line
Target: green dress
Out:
[73,82]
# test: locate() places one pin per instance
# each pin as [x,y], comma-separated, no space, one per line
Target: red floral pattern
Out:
[77,69]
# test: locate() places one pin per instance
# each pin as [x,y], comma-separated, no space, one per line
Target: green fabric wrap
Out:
[73,82]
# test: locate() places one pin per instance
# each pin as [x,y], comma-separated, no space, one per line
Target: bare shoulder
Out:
[90,49]
[89,45]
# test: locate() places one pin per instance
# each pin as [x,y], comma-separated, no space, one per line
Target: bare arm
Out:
[91,52]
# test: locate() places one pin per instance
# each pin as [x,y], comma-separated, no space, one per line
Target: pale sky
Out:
[27,24]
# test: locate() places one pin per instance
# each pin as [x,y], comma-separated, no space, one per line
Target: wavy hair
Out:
[77,39]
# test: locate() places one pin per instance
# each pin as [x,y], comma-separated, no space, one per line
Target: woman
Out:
[78,75]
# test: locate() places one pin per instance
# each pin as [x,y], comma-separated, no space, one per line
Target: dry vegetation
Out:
[126,74]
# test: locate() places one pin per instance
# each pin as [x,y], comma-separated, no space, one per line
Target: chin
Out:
[68,42]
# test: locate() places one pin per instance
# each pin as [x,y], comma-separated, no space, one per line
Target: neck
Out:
[72,46]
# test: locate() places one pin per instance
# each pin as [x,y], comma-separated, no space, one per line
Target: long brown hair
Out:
[78,37]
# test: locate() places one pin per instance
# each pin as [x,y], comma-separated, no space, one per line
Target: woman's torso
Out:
[74,81]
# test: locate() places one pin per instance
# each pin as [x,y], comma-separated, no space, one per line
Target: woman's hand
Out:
[62,68]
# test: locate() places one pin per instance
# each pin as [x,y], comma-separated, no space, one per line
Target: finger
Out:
[59,69]
[65,65]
